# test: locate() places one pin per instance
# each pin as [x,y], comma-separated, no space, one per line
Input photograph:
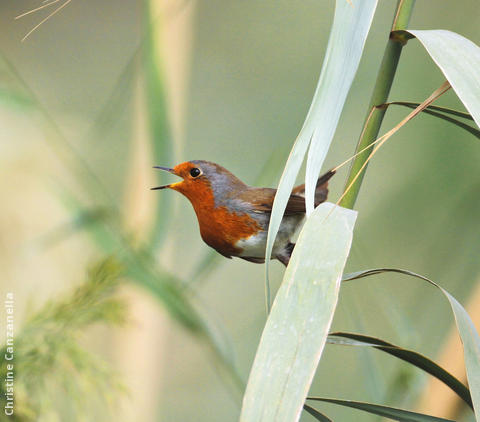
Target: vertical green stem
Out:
[380,93]
[160,134]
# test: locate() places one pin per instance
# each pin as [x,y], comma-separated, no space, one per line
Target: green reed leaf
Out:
[459,60]
[385,411]
[465,326]
[410,356]
[296,330]
[345,46]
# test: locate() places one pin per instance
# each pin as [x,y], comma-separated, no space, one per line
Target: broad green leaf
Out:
[465,326]
[385,411]
[297,328]
[350,28]
[410,356]
[459,60]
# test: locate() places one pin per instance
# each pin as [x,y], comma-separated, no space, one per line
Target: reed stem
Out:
[380,94]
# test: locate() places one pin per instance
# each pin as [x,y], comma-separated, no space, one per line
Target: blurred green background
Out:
[239,77]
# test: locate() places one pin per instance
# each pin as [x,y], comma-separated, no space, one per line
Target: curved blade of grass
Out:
[410,356]
[297,328]
[316,414]
[380,141]
[459,60]
[385,411]
[465,326]
[475,132]
[445,110]
[345,45]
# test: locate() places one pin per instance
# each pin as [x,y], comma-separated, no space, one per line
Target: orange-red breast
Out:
[234,217]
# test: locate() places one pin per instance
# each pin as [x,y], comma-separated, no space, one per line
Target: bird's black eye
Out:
[195,172]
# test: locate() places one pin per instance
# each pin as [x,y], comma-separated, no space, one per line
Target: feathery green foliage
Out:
[50,361]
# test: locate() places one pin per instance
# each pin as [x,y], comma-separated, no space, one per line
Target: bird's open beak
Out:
[164,169]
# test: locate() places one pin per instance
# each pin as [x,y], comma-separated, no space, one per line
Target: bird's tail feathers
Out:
[286,254]
[321,190]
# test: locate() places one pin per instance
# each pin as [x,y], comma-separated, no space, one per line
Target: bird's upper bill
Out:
[170,170]
[188,171]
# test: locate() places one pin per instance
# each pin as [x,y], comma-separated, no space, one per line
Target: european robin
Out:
[234,217]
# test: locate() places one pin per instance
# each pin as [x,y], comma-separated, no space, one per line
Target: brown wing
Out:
[262,198]
[262,201]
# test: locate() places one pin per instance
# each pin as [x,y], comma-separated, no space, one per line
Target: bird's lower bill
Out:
[170,186]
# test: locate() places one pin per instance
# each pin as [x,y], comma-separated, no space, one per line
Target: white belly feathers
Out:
[254,246]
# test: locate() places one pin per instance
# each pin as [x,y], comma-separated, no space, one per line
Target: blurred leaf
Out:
[385,411]
[439,113]
[67,153]
[160,134]
[316,414]
[139,265]
[14,98]
[296,330]
[50,361]
[459,60]
[12,93]
[204,267]
[117,101]
[347,38]
[465,326]
[80,221]
[100,230]
[141,268]
[410,356]
[167,289]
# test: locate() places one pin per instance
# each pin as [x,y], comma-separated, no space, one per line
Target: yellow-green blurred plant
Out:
[50,361]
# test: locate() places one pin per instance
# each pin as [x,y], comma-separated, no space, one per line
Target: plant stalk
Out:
[159,124]
[380,94]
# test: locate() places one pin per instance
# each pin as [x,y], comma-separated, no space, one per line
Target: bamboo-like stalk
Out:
[380,94]
[159,123]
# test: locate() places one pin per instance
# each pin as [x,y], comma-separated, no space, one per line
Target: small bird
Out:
[234,217]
